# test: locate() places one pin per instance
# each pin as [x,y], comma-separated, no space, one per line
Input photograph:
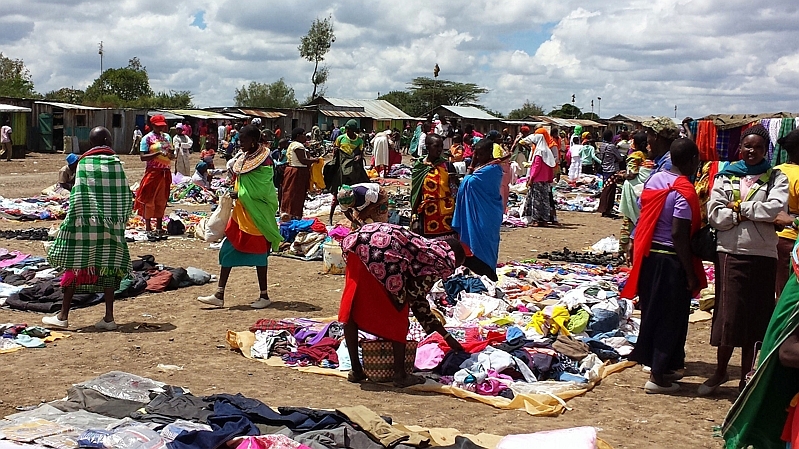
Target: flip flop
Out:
[653,388]
[356,378]
[410,380]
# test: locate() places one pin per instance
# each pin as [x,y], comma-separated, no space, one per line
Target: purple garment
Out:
[676,206]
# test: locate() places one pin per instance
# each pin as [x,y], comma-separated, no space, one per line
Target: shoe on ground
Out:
[261,303]
[52,320]
[211,300]
[106,325]
[675,375]
[646,369]
[707,390]
[653,388]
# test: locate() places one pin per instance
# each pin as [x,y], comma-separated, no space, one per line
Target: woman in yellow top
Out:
[348,157]
[432,199]
[788,219]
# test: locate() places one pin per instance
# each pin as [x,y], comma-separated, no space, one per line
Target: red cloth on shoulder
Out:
[652,202]
[243,242]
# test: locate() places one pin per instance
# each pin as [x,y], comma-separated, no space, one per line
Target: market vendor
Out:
[363,203]
[66,176]
[389,271]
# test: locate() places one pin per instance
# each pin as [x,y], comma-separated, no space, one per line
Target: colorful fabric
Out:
[431,193]
[392,254]
[706,140]
[792,172]
[153,193]
[415,140]
[759,413]
[780,155]
[91,240]
[740,169]
[349,146]
[652,203]
[704,185]
[295,189]
[478,213]
[155,143]
[257,196]
[229,256]
[723,144]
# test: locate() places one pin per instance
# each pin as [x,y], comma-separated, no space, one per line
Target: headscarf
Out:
[351,125]
[578,129]
[524,129]
[542,149]
[346,195]
[201,166]
[585,136]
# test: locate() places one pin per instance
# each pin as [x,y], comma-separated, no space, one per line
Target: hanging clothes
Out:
[780,155]
[706,140]
[774,126]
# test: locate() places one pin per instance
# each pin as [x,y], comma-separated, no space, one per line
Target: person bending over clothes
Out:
[389,271]
[95,258]
[151,198]
[478,212]
[348,157]
[252,230]
[747,197]
[66,176]
[363,203]
[665,274]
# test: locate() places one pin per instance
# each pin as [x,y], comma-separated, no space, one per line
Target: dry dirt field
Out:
[192,335]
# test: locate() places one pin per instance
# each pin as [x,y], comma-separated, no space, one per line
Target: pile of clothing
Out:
[29,283]
[401,171]
[582,196]
[317,205]
[17,336]
[186,192]
[36,208]
[121,410]
[302,239]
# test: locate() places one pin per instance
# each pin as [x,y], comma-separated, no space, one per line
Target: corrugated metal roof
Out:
[470,112]
[199,113]
[12,108]
[632,118]
[585,122]
[67,105]
[344,114]
[260,113]
[167,115]
[376,109]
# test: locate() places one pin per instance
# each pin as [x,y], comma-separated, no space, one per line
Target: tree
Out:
[128,84]
[525,111]
[568,110]
[261,95]
[174,99]
[65,95]
[313,48]
[431,93]
[15,78]
[405,101]
[588,116]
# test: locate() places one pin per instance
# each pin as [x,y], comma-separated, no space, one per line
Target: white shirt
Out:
[137,134]
[5,134]
[291,154]
[220,132]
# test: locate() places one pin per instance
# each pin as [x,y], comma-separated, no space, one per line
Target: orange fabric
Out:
[706,140]
[153,193]
[550,141]
[652,202]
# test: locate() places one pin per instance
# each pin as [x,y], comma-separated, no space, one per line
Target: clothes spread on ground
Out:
[121,410]
[36,287]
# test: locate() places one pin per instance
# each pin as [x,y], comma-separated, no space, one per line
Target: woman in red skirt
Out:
[389,271]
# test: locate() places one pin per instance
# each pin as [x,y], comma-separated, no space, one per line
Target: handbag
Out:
[378,359]
[703,244]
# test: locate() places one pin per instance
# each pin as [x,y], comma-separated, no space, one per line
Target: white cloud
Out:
[640,56]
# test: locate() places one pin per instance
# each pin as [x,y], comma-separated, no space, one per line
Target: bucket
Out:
[333,260]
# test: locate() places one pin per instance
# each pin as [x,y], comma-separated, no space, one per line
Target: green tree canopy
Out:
[568,110]
[313,48]
[527,109]
[15,78]
[261,95]
[130,87]
[65,95]
[431,93]
[404,100]
[588,116]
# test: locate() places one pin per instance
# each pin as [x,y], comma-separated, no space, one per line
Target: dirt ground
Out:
[192,335]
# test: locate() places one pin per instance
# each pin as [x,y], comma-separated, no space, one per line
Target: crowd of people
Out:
[676,212]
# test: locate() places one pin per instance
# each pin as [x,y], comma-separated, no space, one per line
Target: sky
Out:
[639,56]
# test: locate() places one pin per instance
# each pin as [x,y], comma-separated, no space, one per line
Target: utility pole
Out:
[436,71]
[101,58]
[592,108]
[675,111]
[599,107]
[574,111]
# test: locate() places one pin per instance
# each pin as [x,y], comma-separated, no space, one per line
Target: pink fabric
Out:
[541,172]
[493,384]
[428,356]
[18,257]
[270,442]
[339,232]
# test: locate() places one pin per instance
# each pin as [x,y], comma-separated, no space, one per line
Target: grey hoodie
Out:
[756,235]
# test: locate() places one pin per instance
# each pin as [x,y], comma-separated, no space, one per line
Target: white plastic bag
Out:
[215,226]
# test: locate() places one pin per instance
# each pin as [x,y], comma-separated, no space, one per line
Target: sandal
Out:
[409,381]
[356,378]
